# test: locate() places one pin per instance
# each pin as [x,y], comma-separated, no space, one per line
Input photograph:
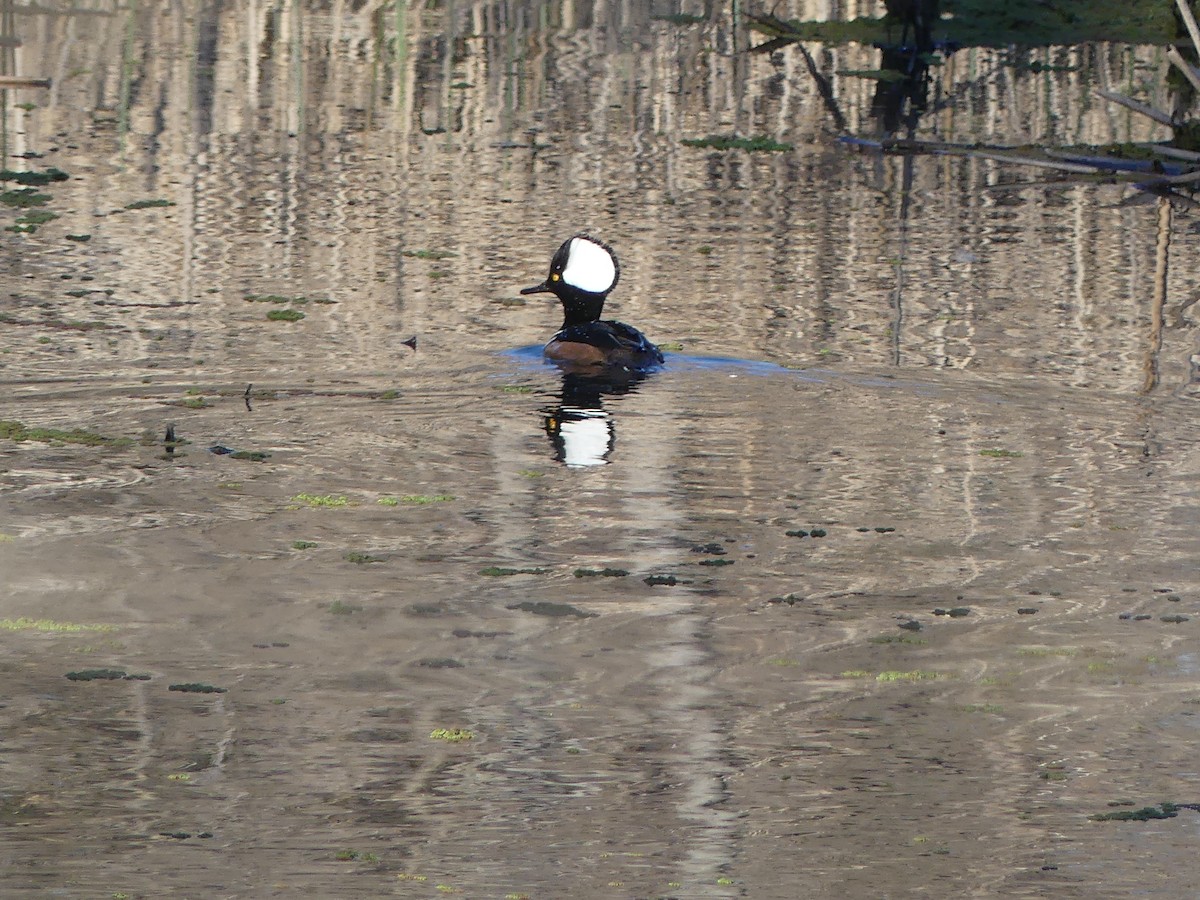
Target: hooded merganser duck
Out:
[582,273]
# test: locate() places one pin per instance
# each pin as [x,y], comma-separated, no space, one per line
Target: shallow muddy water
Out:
[882,587]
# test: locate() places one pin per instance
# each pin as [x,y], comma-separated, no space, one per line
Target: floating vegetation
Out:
[712,549]
[759,144]
[600,573]
[285,315]
[716,562]
[195,687]
[23,198]
[553,610]
[429,254]
[149,204]
[320,501]
[915,675]
[654,580]
[1173,620]
[426,499]
[388,395]
[801,533]
[998,453]
[1166,810]
[452,736]
[515,389]
[362,558]
[856,673]
[15,431]
[388,501]
[671,346]
[338,608]
[350,855]
[106,675]
[790,599]
[34,178]
[440,662]
[1026,610]
[504,572]
[251,455]
[50,625]
[78,238]
[955,613]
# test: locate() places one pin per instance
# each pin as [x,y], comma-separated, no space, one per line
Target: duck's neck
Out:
[579,310]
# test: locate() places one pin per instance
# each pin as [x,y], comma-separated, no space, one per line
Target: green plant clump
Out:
[452,735]
[285,315]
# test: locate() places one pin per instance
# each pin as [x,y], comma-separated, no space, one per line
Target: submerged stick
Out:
[19,81]
[1129,103]
[1189,71]
[1185,12]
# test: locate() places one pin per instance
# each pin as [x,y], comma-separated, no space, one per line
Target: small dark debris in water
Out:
[205,834]
[789,599]
[169,442]
[280,644]
[653,580]
[362,558]
[884,529]
[427,609]
[818,532]
[195,687]
[1049,868]
[796,533]
[261,646]
[78,238]
[411,342]
[1174,598]
[251,455]
[757,144]
[554,610]
[1026,610]
[468,633]
[442,662]
[716,562]
[246,398]
[713,549]
[1142,617]
[177,835]
[600,573]
[956,612]
[1173,620]
[911,625]
[1163,590]
[220,450]
[106,675]
[502,571]
[1128,590]
[863,528]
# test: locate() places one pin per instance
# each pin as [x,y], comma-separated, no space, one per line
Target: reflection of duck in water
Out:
[582,273]
[580,428]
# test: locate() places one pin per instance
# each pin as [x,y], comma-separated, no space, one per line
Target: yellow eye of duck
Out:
[554,277]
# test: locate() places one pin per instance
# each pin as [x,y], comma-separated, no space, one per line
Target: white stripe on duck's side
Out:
[590,267]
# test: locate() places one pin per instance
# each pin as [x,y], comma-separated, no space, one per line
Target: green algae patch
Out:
[655,580]
[999,453]
[515,389]
[553,610]
[915,675]
[426,499]
[23,198]
[320,501]
[452,735]
[759,144]
[671,347]
[51,626]
[716,562]
[284,315]
[504,571]
[196,687]
[251,455]
[78,238]
[34,178]
[362,558]
[1166,810]
[149,204]
[856,673]
[388,501]
[600,573]
[338,608]
[16,431]
[303,545]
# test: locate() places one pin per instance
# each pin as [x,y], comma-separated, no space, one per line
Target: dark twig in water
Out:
[246,397]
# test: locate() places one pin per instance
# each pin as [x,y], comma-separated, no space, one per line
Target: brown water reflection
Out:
[958,353]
